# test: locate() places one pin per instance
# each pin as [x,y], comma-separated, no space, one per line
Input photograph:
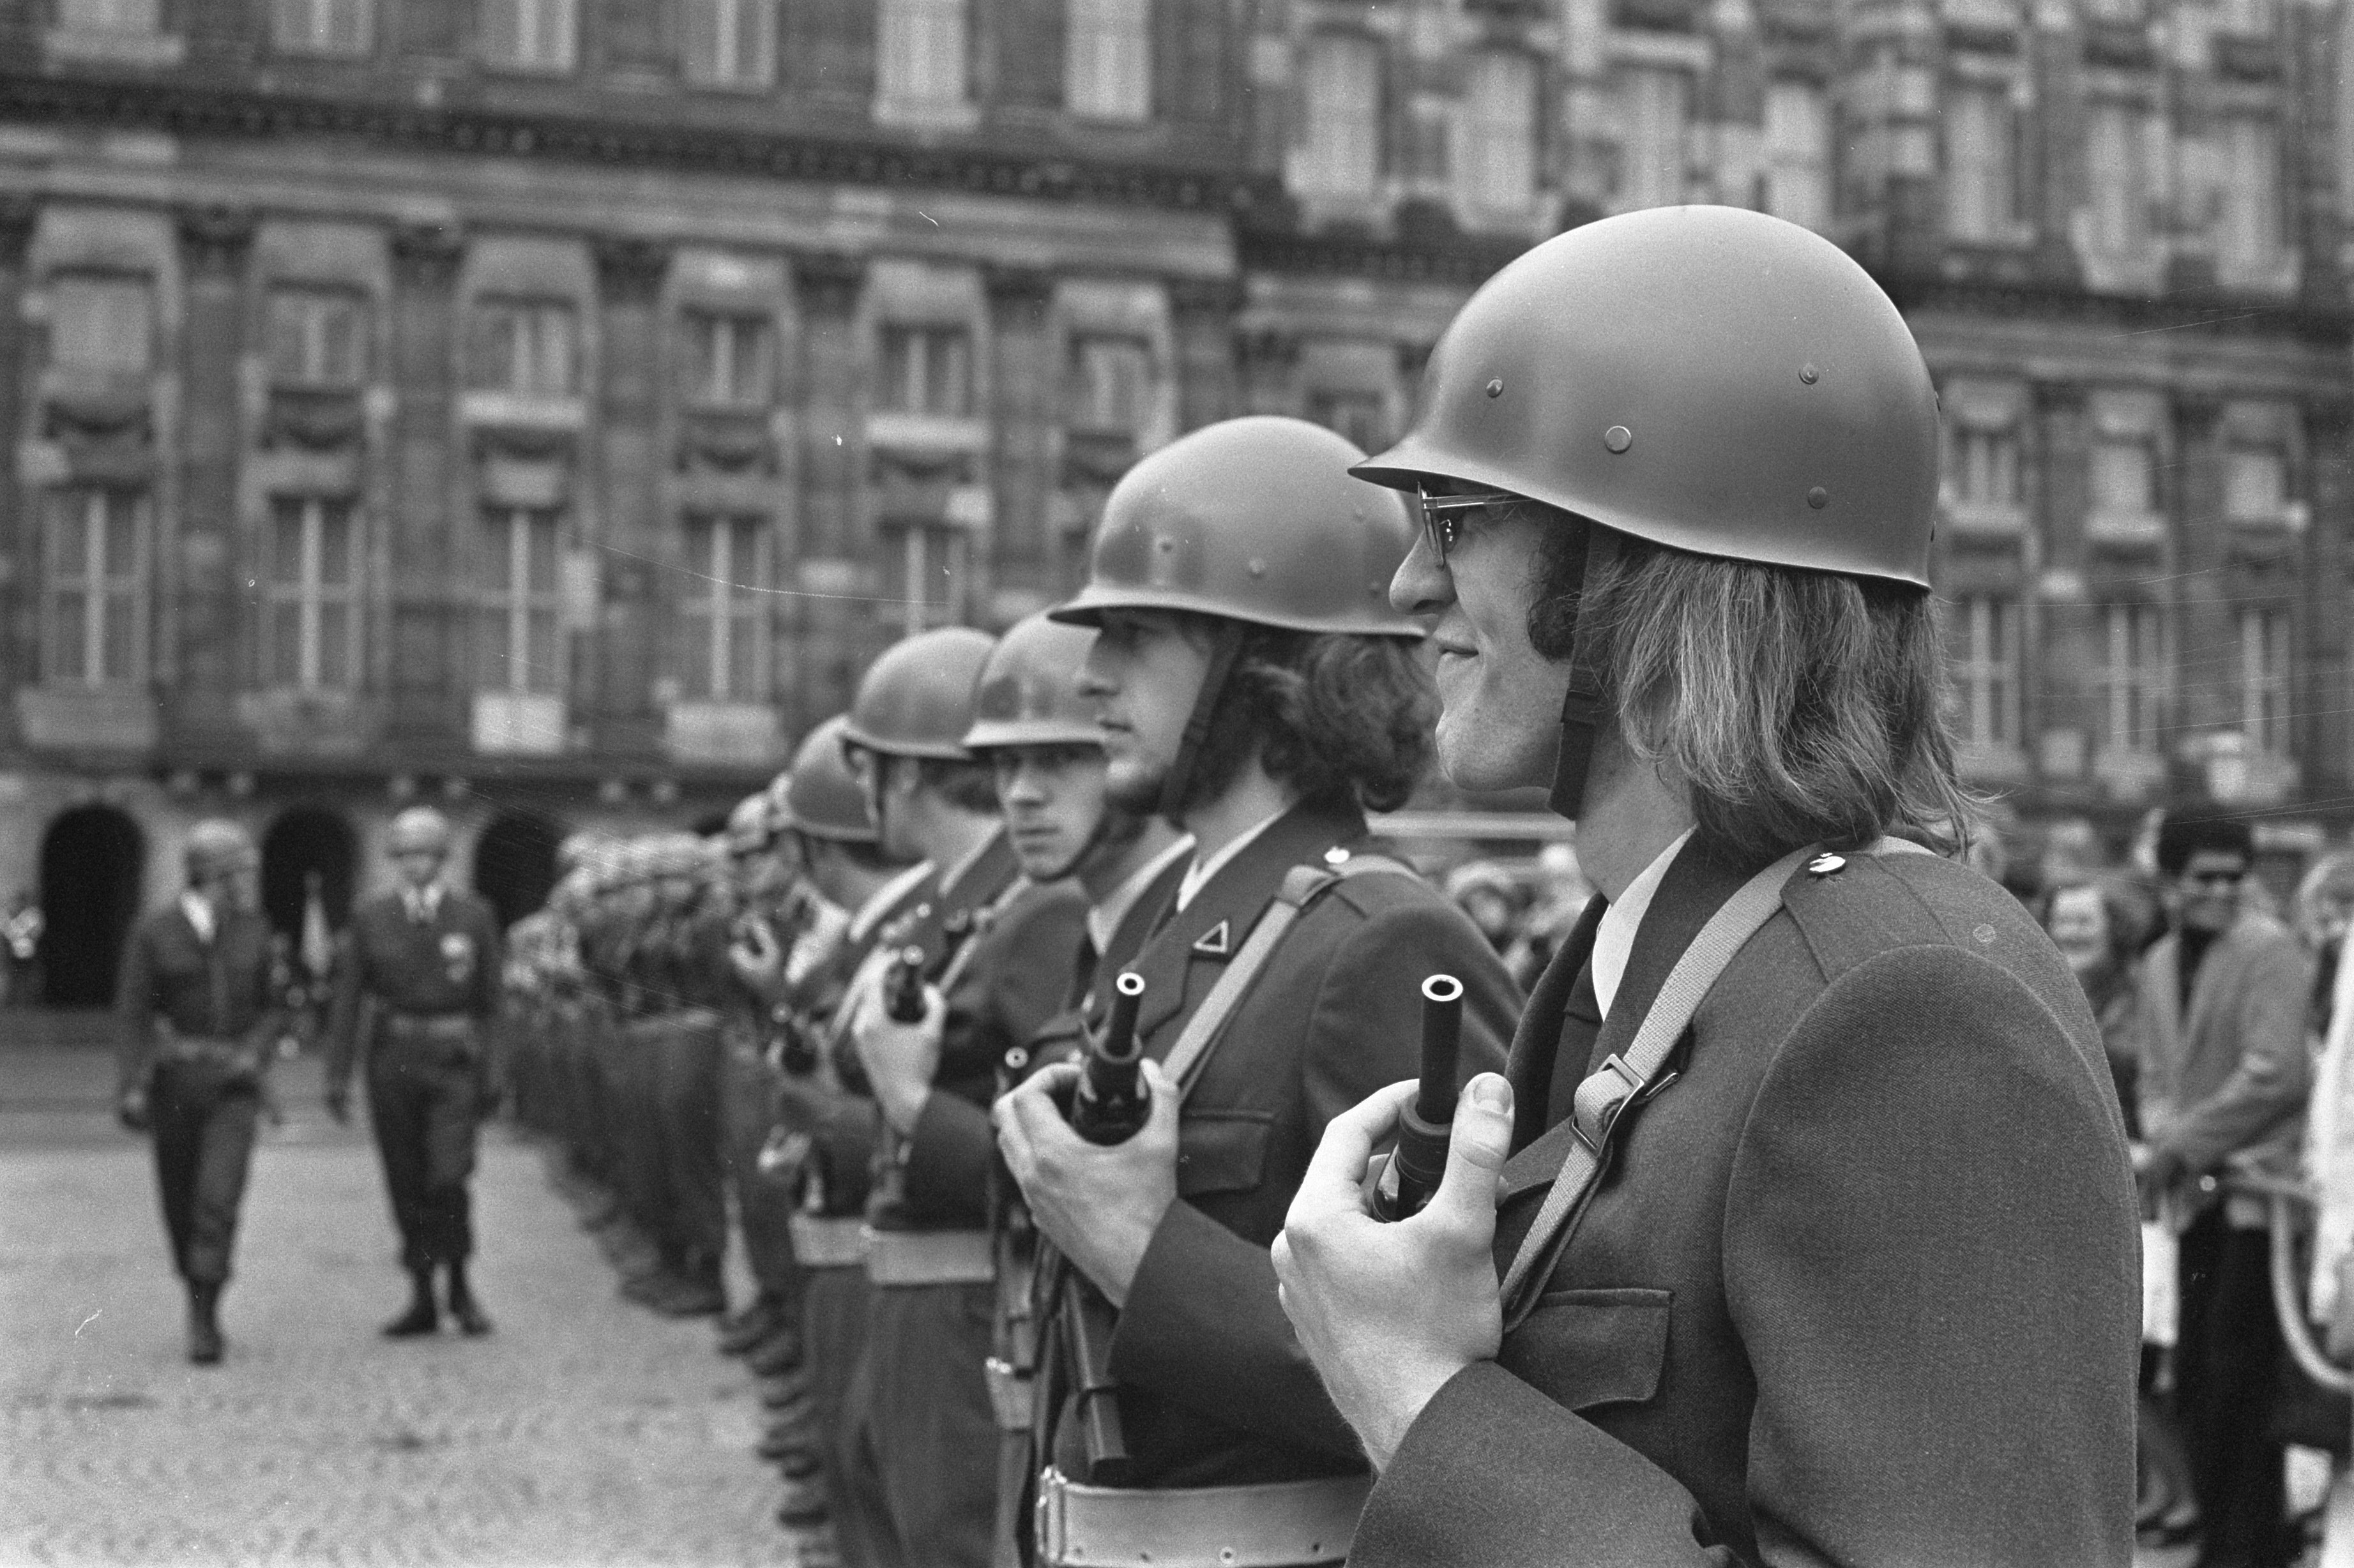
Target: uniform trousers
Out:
[686,1106]
[764,1205]
[425,1099]
[919,1435]
[628,1075]
[833,1333]
[202,1117]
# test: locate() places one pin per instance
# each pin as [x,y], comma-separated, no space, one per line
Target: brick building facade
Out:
[548,407]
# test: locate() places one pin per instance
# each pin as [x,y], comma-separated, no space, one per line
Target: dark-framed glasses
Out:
[1442,515]
[2216,878]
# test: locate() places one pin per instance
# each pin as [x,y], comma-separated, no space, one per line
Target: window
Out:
[97,586]
[2130,676]
[520,650]
[1108,58]
[1341,100]
[924,569]
[101,324]
[1499,154]
[1981,184]
[2263,679]
[1359,416]
[2124,475]
[1652,159]
[1798,154]
[528,34]
[724,650]
[526,346]
[141,16]
[322,26]
[927,370]
[728,359]
[318,337]
[314,606]
[2250,196]
[1985,466]
[2255,483]
[730,43]
[1112,382]
[919,51]
[2117,168]
[1987,677]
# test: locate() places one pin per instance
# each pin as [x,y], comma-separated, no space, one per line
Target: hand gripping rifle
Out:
[1420,1158]
[1109,1106]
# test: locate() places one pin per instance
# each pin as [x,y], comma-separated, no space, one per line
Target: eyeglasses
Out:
[1441,520]
[2215,878]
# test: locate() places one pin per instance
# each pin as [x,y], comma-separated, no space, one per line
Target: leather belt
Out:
[1009,1394]
[928,1258]
[430,1025]
[1279,1525]
[222,1052]
[820,1242]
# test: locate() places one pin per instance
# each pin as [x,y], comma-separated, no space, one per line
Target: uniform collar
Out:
[430,896]
[1198,875]
[1614,939]
[1104,919]
[200,915]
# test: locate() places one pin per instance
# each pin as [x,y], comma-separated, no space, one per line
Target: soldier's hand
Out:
[339,1106]
[1390,1312]
[1099,1205]
[131,1111]
[900,1059]
[757,958]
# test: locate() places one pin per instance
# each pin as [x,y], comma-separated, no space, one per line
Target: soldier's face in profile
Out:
[1143,672]
[1052,798]
[1500,723]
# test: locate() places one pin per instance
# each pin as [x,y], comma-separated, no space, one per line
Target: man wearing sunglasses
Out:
[2223,998]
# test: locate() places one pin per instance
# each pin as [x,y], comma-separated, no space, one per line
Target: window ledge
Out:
[2126,528]
[722,732]
[926,114]
[523,410]
[516,723]
[529,68]
[108,47]
[293,721]
[927,432]
[1982,521]
[119,718]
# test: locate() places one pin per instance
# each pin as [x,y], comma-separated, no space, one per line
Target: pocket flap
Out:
[1221,1151]
[1585,1348]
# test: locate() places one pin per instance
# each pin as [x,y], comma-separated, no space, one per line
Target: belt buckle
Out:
[1046,1523]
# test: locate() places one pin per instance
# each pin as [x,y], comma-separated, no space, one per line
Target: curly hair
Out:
[1336,718]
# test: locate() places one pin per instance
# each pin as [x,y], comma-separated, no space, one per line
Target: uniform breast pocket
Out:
[1586,1348]
[1221,1151]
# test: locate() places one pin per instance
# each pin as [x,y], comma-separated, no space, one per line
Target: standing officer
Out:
[417,994]
[1855,1281]
[199,1016]
[1252,683]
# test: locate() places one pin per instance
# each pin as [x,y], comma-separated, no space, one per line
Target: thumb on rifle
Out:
[1478,1146]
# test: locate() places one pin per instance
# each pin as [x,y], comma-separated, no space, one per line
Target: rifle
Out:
[1109,1106]
[1419,1161]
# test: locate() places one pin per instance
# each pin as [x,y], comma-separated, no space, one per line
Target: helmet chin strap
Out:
[1581,705]
[1225,647]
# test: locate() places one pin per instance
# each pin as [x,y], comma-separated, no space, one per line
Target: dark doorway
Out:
[514,863]
[709,824]
[307,843]
[93,860]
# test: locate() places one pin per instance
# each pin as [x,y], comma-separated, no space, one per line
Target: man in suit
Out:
[1856,1281]
[415,994]
[198,1013]
[1252,684]
[2226,1073]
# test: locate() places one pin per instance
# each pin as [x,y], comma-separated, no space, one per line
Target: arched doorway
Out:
[514,863]
[93,860]
[306,843]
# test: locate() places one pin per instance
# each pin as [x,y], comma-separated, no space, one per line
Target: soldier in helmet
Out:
[1804,1197]
[1252,684]
[200,1015]
[415,998]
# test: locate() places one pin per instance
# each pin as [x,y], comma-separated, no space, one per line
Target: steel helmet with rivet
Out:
[1029,690]
[1704,377]
[818,796]
[917,699]
[1255,520]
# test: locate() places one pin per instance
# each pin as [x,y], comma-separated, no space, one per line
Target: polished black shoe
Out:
[467,1312]
[743,1332]
[423,1317]
[804,1503]
[778,1354]
[779,1392]
[206,1346]
[691,1295]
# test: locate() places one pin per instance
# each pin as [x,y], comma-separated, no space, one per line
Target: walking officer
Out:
[198,1013]
[1799,1228]
[416,996]
[1252,684]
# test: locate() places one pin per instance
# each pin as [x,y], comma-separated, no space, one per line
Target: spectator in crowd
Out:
[2224,1078]
[20,949]
[1499,904]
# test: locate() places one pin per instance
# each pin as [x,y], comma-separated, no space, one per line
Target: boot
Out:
[780,1353]
[655,1278]
[694,1292]
[790,1389]
[464,1310]
[205,1342]
[423,1317]
[804,1503]
[741,1332]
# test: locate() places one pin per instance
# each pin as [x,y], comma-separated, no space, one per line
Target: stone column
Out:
[215,647]
[1022,412]
[2206,640]
[632,632]
[1202,318]
[833,472]
[2060,669]
[19,513]
[2326,668]
[424,601]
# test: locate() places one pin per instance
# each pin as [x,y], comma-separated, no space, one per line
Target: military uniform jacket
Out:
[447,964]
[1064,1037]
[215,990]
[1213,1387]
[1859,1286]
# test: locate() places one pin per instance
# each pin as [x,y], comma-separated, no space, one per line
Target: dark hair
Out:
[967,786]
[2196,830]
[1797,705]
[1336,718]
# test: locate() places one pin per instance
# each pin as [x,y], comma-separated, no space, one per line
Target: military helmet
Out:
[1255,520]
[917,699]
[1703,377]
[216,845]
[418,828]
[818,796]
[750,825]
[1029,690]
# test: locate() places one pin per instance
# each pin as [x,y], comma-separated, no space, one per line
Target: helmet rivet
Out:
[1259,569]
[1809,374]
[1617,438]
[1495,388]
[1819,498]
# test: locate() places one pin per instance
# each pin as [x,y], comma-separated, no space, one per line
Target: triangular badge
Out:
[1214,942]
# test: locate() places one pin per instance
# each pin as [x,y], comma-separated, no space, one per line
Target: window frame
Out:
[2133,677]
[726,37]
[1498,164]
[715,353]
[316,302]
[2266,638]
[1331,162]
[911,545]
[318,39]
[532,29]
[311,596]
[1989,670]
[1818,206]
[905,368]
[508,608]
[529,349]
[915,67]
[64,286]
[724,604]
[1112,82]
[102,590]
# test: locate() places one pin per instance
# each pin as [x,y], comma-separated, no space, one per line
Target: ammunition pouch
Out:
[1284,1525]
[899,1258]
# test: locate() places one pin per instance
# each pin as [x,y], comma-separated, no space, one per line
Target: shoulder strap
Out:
[1623,1079]
[982,919]
[1302,886]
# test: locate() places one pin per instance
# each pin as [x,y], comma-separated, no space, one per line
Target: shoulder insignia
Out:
[1824,864]
[1336,856]
[1217,941]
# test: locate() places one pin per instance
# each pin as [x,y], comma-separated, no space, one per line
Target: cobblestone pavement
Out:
[584,1431]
